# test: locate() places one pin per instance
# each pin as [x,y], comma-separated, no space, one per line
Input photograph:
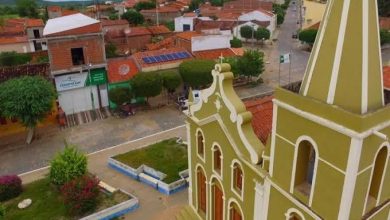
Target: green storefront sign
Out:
[97,77]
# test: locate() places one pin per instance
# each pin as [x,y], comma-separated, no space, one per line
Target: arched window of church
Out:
[304,168]
[377,176]
[200,143]
[217,159]
[235,213]
[294,216]
[237,178]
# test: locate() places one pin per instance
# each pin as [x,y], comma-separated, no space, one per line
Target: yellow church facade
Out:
[327,155]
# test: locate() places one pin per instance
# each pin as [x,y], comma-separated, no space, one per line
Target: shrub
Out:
[2,212]
[236,43]
[10,187]
[147,84]
[14,59]
[145,5]
[171,80]
[385,36]
[120,95]
[262,34]
[133,17]
[247,32]
[67,165]
[197,73]
[81,194]
[308,36]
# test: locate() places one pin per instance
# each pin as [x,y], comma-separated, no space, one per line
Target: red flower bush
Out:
[81,194]
[10,187]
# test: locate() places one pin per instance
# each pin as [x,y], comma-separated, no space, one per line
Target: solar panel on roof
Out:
[147,60]
[181,55]
[158,58]
[185,54]
[175,56]
[170,57]
[153,59]
[164,58]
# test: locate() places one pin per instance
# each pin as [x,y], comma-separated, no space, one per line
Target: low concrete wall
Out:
[116,210]
[152,179]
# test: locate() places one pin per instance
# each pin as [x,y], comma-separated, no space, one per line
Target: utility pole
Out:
[157,18]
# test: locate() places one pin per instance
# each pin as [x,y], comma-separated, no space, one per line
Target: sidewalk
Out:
[17,157]
[153,205]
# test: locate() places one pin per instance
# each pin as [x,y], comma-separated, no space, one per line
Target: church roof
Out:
[344,68]
[261,110]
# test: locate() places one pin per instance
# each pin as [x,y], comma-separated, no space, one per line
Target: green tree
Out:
[194,4]
[2,212]
[111,50]
[67,165]
[247,32]
[235,43]
[216,2]
[113,16]
[262,34]
[146,85]
[197,73]
[280,13]
[233,64]
[308,36]
[27,8]
[120,95]
[145,5]
[385,37]
[14,59]
[171,80]
[251,64]
[28,99]
[133,17]
[170,25]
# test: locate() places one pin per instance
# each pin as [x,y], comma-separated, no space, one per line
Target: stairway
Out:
[187,213]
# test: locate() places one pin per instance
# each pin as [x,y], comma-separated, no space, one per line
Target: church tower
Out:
[329,156]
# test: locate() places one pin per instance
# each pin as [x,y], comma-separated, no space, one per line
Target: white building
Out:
[254,24]
[211,42]
[261,16]
[186,22]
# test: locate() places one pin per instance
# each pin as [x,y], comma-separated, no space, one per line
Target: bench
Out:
[107,187]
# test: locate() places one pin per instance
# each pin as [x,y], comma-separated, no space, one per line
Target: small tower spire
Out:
[345,67]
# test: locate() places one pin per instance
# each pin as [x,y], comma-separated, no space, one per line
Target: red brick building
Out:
[78,62]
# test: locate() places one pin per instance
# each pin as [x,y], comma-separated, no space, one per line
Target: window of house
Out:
[237,178]
[235,213]
[77,56]
[217,159]
[186,27]
[304,169]
[36,33]
[377,177]
[200,144]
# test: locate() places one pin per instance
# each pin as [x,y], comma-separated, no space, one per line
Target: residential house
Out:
[77,62]
[165,14]
[186,22]
[22,35]
[218,54]
[149,61]
[327,156]
[129,40]
[224,26]
[254,24]
[120,72]
[114,25]
[261,15]
[312,12]
[384,23]
[206,40]
[55,11]
[160,31]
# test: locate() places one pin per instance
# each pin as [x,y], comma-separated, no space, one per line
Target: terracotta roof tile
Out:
[189,14]
[214,54]
[106,22]
[187,35]
[163,9]
[261,110]
[54,8]
[120,70]
[265,12]
[221,25]
[138,56]
[161,29]
[135,31]
[238,51]
[386,77]
[164,44]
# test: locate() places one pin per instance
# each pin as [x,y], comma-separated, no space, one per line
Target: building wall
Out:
[186,44]
[162,16]
[17,47]
[258,16]
[60,51]
[313,12]
[180,21]
[93,28]
[210,42]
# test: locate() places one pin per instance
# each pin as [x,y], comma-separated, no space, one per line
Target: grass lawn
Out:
[47,202]
[166,156]
[9,16]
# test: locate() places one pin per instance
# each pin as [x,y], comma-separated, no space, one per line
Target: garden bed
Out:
[162,166]
[48,204]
